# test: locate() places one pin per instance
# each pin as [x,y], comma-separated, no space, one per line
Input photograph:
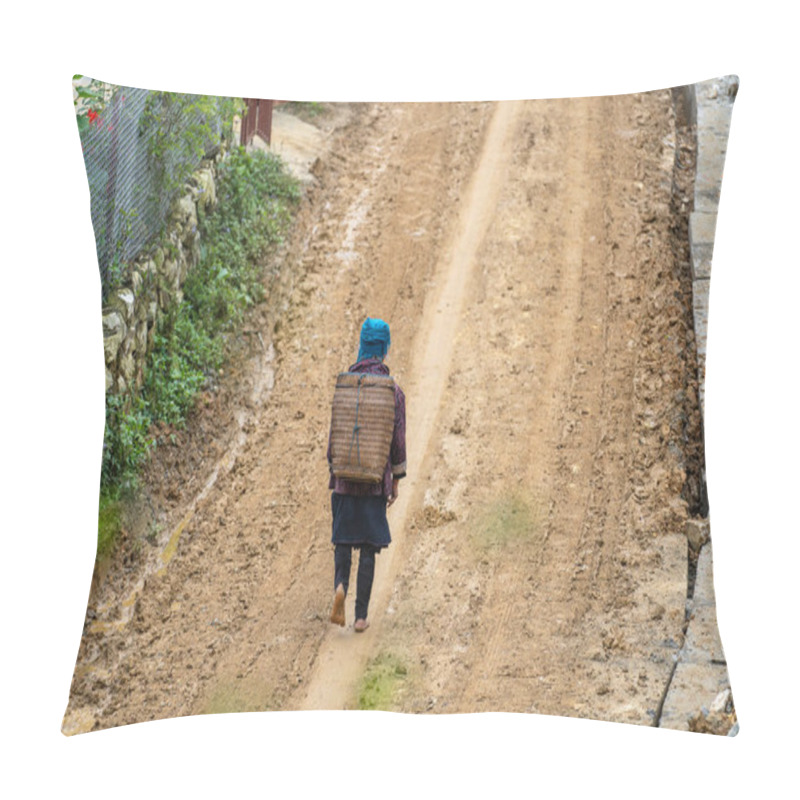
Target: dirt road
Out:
[529,258]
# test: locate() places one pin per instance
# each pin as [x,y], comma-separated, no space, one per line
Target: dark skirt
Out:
[360,520]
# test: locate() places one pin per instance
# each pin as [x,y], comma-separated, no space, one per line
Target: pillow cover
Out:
[544,268]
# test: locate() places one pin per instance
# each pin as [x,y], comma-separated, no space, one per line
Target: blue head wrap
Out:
[375,339]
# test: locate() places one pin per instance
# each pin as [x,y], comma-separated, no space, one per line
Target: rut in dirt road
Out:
[523,256]
[342,658]
[548,570]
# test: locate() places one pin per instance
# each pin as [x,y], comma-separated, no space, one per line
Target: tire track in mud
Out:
[343,656]
[555,417]
[560,332]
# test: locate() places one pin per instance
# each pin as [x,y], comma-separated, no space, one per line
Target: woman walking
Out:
[359,508]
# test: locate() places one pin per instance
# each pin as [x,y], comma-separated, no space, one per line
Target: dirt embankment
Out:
[528,259]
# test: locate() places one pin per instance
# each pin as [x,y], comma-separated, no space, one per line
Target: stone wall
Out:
[712,106]
[154,282]
[698,697]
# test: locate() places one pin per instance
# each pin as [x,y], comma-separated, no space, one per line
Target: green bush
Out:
[126,442]
[255,195]
[172,379]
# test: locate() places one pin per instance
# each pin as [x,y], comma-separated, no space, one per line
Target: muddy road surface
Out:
[530,259]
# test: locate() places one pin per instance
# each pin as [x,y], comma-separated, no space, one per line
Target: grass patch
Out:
[109,522]
[508,519]
[226,700]
[383,676]
[304,109]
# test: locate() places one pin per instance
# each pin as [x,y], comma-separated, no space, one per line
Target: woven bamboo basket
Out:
[362,424]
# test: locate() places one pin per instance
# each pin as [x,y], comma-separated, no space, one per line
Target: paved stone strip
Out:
[701,674]
[700,683]
[713,106]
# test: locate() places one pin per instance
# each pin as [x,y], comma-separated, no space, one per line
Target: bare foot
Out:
[337,615]
[361,625]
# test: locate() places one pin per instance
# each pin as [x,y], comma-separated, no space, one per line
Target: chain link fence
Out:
[131,187]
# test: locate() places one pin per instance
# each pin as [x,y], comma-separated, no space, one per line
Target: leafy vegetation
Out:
[255,196]
[181,129]
[131,194]
[109,521]
[126,442]
[381,680]
[90,100]
[305,109]
[509,518]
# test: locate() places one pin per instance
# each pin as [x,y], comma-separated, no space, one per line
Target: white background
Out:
[53,385]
